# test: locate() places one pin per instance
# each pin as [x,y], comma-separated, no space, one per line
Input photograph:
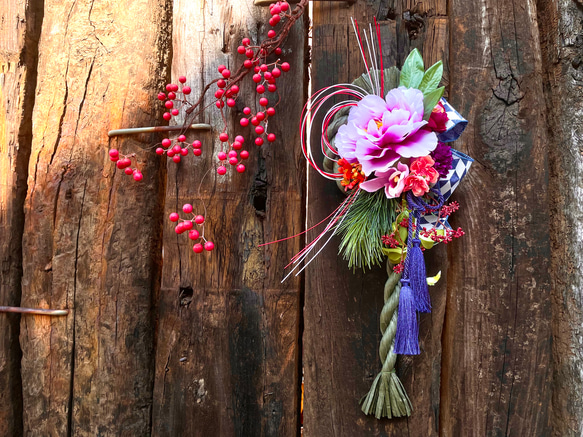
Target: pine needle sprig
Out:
[368,219]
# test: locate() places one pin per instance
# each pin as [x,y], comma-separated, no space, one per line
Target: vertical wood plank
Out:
[341,364]
[561,29]
[497,341]
[92,235]
[19,33]
[227,350]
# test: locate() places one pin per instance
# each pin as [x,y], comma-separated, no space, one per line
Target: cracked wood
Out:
[227,351]
[92,371]
[19,32]
[497,341]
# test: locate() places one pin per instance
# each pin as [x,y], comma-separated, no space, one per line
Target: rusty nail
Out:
[35,311]
[144,130]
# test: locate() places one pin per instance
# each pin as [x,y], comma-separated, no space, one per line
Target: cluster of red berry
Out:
[399,267]
[277,10]
[175,101]
[263,77]
[391,241]
[447,210]
[446,237]
[124,162]
[187,225]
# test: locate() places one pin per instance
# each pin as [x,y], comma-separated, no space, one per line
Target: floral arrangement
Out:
[386,143]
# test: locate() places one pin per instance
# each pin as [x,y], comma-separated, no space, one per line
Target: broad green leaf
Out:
[401,231]
[430,100]
[413,70]
[432,280]
[395,255]
[431,78]
[427,243]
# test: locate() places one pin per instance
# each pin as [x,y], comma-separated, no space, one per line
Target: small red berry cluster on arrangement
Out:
[187,225]
[437,234]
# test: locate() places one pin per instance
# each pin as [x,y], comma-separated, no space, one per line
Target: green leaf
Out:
[396,255]
[432,77]
[413,70]
[430,100]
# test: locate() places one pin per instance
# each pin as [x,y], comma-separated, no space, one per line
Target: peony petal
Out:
[345,142]
[381,163]
[391,192]
[414,102]
[386,174]
[370,107]
[419,144]
[396,116]
[395,99]
[373,185]
[372,129]
[403,168]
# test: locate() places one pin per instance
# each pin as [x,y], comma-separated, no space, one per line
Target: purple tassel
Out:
[407,337]
[418,278]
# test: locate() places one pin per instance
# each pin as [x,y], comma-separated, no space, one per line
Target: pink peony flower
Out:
[393,180]
[379,132]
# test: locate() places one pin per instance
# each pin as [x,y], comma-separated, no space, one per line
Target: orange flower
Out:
[352,174]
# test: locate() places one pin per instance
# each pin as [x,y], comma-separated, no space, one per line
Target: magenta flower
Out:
[379,132]
[393,180]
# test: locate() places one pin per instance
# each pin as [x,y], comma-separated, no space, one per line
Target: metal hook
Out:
[35,311]
[145,130]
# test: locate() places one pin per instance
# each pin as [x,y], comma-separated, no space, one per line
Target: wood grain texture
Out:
[341,364]
[227,350]
[19,33]
[561,29]
[497,340]
[92,236]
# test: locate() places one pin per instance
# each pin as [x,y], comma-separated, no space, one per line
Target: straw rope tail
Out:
[387,396]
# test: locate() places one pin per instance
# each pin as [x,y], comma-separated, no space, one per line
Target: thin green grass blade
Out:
[368,219]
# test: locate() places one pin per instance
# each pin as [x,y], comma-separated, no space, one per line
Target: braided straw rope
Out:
[387,397]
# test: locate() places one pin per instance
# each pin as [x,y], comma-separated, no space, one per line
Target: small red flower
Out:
[399,267]
[417,184]
[438,119]
[424,167]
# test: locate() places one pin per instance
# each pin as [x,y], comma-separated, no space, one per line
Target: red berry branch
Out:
[187,225]
[175,99]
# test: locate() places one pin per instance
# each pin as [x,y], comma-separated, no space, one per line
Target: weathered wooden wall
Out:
[170,343]
[341,365]
[19,33]
[499,277]
[485,366]
[91,240]
[561,26]
[227,351]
